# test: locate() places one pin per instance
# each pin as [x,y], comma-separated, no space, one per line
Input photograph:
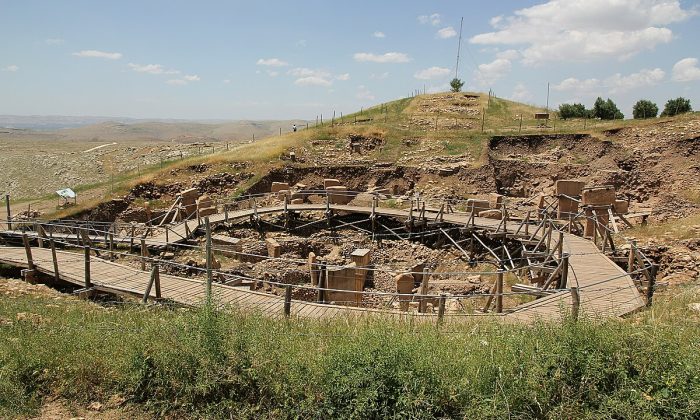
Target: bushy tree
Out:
[676,106]
[606,110]
[456,85]
[644,109]
[572,111]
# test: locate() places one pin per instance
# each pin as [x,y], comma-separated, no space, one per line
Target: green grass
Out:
[219,364]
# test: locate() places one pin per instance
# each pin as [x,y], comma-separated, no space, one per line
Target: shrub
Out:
[456,85]
[644,109]
[676,106]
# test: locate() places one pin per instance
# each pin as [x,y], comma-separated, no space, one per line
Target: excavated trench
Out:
[517,167]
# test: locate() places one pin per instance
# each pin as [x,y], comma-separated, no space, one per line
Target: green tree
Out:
[644,109]
[606,110]
[676,106]
[456,85]
[572,111]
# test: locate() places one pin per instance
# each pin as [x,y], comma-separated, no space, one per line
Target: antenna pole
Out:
[459,45]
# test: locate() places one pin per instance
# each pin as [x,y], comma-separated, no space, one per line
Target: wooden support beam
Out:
[144,254]
[28,251]
[52,245]
[564,276]
[88,280]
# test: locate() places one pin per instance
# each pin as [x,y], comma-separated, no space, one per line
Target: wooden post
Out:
[441,308]
[9,214]
[167,235]
[144,254]
[288,300]
[52,245]
[40,234]
[154,273]
[651,285]
[630,257]
[575,303]
[157,268]
[28,250]
[483,119]
[423,291]
[564,275]
[322,275]
[111,245]
[88,282]
[499,292]
[209,262]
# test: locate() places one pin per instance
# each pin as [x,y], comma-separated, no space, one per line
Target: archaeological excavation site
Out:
[421,210]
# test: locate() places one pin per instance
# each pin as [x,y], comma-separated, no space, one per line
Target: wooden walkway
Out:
[605,289]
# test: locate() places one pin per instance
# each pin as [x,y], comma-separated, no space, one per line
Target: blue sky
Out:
[284,59]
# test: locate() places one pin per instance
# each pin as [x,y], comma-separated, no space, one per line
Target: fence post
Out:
[441,308]
[422,306]
[28,249]
[154,273]
[287,300]
[52,245]
[144,253]
[209,262]
[9,214]
[499,292]
[88,282]
[575,303]
[651,285]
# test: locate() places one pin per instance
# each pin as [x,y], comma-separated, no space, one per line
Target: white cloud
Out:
[580,87]
[364,93]
[390,57]
[445,33]
[272,73]
[11,67]
[186,79]
[433,19]
[686,70]
[271,62]
[583,30]
[312,81]
[432,73]
[521,93]
[311,77]
[508,54]
[151,69]
[489,73]
[644,78]
[379,76]
[344,76]
[98,54]
[54,41]
[379,34]
[617,83]
[227,81]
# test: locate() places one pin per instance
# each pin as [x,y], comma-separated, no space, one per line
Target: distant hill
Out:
[123,129]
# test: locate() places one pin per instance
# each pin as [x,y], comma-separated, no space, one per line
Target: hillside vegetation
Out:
[219,364]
